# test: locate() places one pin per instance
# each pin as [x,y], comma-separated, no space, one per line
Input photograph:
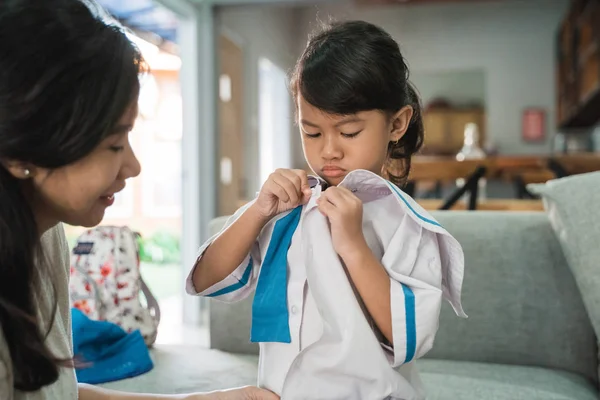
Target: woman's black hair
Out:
[66,78]
[354,66]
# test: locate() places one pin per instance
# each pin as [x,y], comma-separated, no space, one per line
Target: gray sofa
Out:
[527,337]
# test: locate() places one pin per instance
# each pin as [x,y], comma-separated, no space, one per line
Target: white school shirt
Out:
[336,352]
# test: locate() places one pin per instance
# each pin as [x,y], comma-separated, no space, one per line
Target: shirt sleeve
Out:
[412,259]
[242,281]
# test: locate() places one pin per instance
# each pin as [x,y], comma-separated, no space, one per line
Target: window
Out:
[274,119]
[161,189]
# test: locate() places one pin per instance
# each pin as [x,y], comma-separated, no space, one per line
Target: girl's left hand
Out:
[345,213]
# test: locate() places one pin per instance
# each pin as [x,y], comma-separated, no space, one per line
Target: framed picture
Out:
[534,125]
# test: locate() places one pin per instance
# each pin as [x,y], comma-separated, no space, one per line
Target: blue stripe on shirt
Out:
[421,217]
[238,285]
[411,327]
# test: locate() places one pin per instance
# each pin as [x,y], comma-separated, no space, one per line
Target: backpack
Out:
[106,282]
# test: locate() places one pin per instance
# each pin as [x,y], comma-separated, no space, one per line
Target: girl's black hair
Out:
[354,66]
[66,78]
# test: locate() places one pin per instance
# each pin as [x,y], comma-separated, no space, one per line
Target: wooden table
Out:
[448,169]
[430,172]
[488,205]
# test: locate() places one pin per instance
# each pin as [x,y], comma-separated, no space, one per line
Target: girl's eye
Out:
[117,149]
[312,135]
[351,135]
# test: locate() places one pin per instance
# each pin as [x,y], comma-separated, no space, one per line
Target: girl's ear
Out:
[400,122]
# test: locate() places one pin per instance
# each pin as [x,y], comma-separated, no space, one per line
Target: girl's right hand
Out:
[284,190]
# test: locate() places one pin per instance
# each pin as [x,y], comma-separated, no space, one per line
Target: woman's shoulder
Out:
[57,256]
[54,238]
[55,246]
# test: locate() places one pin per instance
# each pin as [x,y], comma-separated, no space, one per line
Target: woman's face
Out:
[79,193]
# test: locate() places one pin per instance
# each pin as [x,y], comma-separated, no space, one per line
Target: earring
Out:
[27,172]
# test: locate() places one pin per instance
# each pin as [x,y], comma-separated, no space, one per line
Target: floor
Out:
[172,330]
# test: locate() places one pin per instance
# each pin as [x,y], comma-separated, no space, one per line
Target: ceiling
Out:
[144,16]
[150,18]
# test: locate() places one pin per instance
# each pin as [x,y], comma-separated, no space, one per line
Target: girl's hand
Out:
[284,190]
[345,212]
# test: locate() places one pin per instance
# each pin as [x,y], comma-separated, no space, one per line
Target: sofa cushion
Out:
[185,369]
[523,304]
[451,380]
[573,208]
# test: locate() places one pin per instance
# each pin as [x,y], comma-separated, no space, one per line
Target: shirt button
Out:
[294,310]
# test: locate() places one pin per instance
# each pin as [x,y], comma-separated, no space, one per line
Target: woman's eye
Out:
[117,149]
[351,135]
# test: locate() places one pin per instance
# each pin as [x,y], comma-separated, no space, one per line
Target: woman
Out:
[68,99]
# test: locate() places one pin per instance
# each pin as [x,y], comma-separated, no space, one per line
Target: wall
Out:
[461,88]
[261,31]
[511,41]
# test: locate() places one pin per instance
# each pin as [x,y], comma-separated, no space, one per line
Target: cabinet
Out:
[444,129]
[578,66]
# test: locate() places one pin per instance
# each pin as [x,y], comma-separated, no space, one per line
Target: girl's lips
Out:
[333,172]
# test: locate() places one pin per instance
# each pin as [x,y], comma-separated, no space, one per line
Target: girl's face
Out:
[337,144]
[79,193]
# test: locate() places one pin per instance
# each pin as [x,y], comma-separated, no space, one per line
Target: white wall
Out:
[461,88]
[262,31]
[512,41]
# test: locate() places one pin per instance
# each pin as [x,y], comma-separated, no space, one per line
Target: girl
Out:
[349,271]
[68,93]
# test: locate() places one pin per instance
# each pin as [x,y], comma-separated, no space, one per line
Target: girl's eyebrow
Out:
[311,124]
[348,120]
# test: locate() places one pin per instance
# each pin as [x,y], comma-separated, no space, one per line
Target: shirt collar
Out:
[366,185]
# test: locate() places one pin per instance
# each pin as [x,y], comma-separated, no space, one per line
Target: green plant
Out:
[160,248]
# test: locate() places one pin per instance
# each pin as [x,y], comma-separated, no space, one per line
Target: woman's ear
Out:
[19,169]
[400,123]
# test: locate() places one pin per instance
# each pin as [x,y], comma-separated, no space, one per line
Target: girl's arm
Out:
[283,191]
[344,211]
[228,250]
[403,291]
[373,284]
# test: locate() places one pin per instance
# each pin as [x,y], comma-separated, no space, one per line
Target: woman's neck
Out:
[40,212]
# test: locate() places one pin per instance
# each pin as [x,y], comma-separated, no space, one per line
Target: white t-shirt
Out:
[59,340]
